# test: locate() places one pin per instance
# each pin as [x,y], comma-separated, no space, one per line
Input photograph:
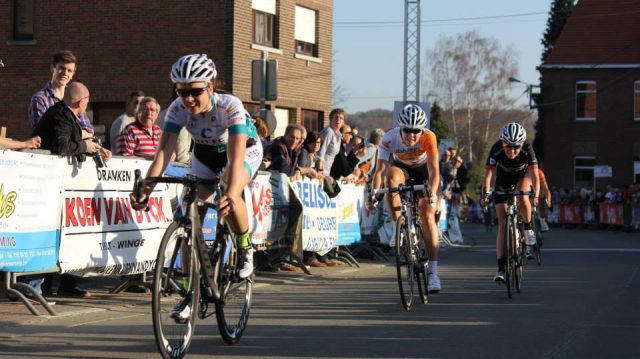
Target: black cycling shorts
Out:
[505,182]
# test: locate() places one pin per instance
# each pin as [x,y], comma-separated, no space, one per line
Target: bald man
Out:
[60,128]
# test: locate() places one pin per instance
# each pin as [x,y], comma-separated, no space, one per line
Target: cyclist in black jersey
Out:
[512,161]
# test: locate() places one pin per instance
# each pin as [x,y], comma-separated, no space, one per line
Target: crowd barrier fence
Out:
[61,215]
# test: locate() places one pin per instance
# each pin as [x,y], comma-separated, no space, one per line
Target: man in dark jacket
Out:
[61,134]
[60,129]
[284,150]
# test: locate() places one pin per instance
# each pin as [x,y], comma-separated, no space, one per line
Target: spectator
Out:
[331,139]
[141,138]
[284,154]
[308,163]
[185,140]
[61,134]
[63,67]
[126,118]
[10,144]
[284,150]
[345,160]
[262,127]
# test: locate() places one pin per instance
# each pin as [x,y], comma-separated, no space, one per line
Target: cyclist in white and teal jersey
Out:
[226,143]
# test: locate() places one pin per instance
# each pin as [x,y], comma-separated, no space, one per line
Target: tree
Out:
[438,122]
[470,73]
[558,16]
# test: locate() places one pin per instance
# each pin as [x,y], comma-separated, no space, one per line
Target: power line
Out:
[438,20]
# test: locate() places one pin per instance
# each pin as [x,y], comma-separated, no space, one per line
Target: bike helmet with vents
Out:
[513,134]
[412,116]
[193,68]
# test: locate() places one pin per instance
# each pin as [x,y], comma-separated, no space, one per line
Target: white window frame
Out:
[306,30]
[577,92]
[576,167]
[265,9]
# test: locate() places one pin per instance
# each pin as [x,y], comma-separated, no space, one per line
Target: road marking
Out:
[624,250]
[105,320]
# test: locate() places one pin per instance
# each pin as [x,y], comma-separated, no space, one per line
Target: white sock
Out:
[433,267]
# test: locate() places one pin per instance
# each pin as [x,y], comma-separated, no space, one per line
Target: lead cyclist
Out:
[411,151]
[226,144]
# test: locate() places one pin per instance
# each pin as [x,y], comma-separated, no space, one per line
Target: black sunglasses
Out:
[511,146]
[195,92]
[413,131]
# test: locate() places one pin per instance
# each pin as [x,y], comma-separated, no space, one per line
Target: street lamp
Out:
[529,90]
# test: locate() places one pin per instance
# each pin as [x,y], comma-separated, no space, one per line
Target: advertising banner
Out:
[319,227]
[100,232]
[570,213]
[350,201]
[30,186]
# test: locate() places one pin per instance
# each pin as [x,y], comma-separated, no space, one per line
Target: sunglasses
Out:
[195,92]
[512,147]
[413,131]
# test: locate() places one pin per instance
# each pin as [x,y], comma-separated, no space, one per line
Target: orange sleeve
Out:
[429,143]
[543,179]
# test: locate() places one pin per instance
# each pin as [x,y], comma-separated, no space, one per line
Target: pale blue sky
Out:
[368,58]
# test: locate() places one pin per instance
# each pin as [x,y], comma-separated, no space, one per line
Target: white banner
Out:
[350,202]
[30,186]
[602,171]
[260,212]
[319,227]
[100,232]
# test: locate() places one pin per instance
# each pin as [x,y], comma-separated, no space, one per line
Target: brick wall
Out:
[122,46]
[613,139]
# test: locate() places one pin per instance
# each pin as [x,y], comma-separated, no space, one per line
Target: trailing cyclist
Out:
[511,161]
[410,151]
[226,144]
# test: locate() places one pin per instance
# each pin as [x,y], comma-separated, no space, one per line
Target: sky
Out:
[369,56]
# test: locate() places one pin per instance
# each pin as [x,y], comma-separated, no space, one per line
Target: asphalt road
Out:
[583,302]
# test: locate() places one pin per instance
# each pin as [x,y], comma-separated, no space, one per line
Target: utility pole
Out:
[411,51]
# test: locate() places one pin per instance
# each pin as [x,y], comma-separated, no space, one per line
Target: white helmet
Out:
[513,134]
[193,68]
[412,116]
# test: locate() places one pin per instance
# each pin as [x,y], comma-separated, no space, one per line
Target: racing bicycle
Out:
[192,278]
[513,241]
[412,258]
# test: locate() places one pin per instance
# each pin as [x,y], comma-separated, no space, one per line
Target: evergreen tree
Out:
[438,122]
[558,16]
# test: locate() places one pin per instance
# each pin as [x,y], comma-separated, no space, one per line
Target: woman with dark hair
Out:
[308,163]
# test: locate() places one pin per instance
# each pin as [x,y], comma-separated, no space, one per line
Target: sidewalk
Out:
[16,313]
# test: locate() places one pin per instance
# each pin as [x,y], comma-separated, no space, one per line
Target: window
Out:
[585,101]
[636,100]
[264,22]
[636,172]
[305,32]
[311,120]
[583,171]
[23,17]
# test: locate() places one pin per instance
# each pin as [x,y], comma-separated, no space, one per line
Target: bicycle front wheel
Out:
[422,266]
[176,292]
[232,309]
[404,262]
[507,253]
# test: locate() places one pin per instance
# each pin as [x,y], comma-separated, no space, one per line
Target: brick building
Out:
[122,46]
[591,89]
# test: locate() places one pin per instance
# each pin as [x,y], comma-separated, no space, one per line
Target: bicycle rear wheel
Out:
[232,309]
[176,292]
[404,262]
[422,266]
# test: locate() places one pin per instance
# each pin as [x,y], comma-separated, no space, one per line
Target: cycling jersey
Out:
[393,148]
[510,172]
[515,167]
[211,131]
